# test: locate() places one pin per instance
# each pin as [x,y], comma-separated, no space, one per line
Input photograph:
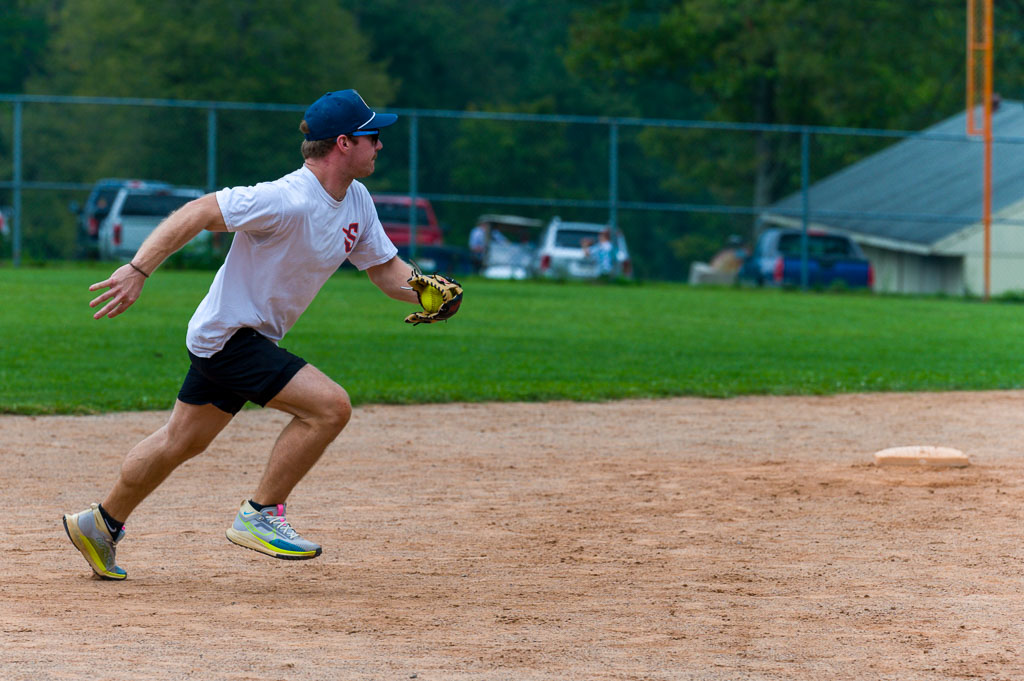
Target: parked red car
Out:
[394,216]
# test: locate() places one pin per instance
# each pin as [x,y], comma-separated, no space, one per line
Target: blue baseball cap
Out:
[343,113]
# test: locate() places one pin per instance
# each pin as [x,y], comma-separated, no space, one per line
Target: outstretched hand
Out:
[445,297]
[123,288]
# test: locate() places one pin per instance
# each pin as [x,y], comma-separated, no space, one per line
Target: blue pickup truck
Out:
[831,259]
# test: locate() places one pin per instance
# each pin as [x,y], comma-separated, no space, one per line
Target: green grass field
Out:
[512,341]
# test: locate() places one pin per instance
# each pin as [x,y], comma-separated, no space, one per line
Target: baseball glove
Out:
[449,291]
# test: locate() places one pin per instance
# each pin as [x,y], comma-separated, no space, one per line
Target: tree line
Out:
[894,64]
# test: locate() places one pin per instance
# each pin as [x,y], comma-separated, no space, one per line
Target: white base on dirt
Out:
[921,455]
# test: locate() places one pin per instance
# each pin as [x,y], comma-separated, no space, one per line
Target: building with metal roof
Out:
[915,208]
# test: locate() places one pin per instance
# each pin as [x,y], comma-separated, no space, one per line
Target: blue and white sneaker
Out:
[89,533]
[268,532]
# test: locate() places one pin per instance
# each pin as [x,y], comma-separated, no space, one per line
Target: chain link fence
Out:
[676,189]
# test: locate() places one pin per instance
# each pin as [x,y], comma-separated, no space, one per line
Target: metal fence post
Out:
[805,201]
[211,149]
[414,129]
[16,243]
[613,175]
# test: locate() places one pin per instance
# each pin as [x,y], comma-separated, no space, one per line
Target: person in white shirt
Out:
[478,240]
[290,236]
[604,251]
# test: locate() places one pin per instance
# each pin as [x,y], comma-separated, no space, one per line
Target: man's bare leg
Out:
[188,432]
[321,409]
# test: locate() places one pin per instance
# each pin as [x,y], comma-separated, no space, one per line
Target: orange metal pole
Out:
[983,44]
[987,198]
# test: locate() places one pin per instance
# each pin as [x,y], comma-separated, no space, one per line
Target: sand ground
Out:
[748,538]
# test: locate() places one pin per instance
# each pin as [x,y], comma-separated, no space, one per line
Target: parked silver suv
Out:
[573,250]
[135,212]
[97,207]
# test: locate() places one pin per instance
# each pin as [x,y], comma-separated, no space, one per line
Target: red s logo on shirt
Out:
[350,235]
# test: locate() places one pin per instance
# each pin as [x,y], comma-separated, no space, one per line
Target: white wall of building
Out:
[902,272]
[1006,261]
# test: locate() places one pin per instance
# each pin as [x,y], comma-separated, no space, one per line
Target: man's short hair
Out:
[316,148]
[319,148]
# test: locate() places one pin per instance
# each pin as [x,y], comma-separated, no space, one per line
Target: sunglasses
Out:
[374,135]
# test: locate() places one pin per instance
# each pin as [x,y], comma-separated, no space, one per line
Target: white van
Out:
[135,213]
[567,251]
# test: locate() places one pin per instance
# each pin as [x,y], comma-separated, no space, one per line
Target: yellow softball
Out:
[431,299]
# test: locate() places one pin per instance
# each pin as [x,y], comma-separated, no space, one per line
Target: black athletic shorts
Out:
[250,368]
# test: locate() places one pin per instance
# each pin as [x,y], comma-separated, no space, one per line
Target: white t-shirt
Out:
[290,237]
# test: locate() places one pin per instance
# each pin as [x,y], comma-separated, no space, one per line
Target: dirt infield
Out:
[748,538]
